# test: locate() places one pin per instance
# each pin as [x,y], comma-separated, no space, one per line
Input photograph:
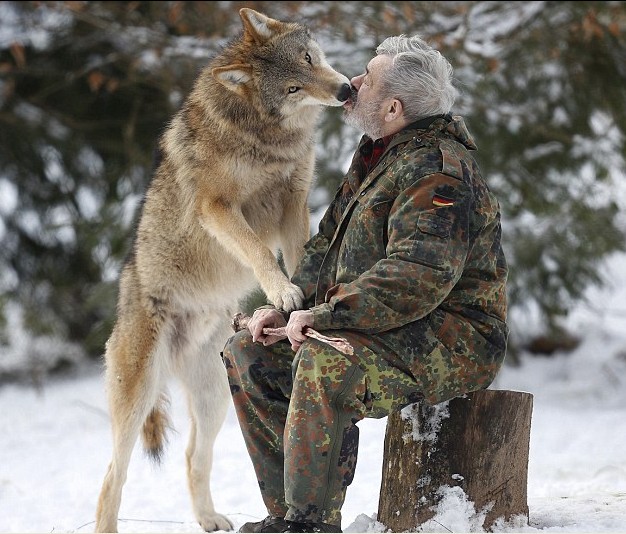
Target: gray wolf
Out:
[230,190]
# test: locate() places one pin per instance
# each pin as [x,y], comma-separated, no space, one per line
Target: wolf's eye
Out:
[294,89]
[307,57]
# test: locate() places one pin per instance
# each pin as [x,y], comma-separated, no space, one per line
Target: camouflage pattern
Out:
[408,267]
[416,238]
[298,416]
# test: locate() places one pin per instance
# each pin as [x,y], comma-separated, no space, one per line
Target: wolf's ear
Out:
[258,27]
[234,76]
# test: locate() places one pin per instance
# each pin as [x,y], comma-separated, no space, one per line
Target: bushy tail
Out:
[154,430]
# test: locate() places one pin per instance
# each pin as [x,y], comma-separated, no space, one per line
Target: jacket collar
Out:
[407,132]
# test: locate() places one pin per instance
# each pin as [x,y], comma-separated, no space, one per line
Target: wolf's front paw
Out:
[288,298]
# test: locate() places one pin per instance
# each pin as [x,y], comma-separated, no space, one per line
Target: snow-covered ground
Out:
[55,446]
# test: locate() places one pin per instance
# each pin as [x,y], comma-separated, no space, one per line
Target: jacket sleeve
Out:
[305,276]
[306,273]
[428,242]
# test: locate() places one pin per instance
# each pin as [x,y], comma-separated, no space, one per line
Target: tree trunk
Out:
[479,442]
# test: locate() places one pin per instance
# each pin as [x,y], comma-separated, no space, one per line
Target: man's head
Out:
[407,80]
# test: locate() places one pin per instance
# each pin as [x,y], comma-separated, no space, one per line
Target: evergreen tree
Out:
[87,87]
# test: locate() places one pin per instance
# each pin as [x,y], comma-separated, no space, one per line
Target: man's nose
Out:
[357,81]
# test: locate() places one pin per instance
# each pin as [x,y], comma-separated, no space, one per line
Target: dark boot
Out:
[311,527]
[269,524]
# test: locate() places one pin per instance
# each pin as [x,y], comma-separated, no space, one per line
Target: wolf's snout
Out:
[344,93]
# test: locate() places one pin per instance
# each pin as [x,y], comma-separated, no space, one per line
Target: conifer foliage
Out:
[86,88]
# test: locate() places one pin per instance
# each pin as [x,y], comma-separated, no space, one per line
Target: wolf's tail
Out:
[154,432]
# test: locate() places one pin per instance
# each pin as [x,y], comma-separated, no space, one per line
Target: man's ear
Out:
[394,111]
[233,77]
[257,27]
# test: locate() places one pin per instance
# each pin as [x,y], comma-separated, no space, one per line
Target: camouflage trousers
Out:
[298,415]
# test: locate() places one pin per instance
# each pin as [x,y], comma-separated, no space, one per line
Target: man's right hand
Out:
[266,318]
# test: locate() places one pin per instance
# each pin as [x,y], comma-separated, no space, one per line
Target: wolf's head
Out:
[279,69]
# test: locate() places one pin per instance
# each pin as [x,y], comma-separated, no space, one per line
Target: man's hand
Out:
[266,318]
[298,322]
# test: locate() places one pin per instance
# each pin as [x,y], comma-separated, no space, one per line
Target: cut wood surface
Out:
[479,442]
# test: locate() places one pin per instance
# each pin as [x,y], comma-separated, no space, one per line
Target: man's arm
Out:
[426,254]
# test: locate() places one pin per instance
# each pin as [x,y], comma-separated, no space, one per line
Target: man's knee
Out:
[238,344]
[236,352]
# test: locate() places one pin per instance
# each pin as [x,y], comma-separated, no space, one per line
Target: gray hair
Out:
[420,77]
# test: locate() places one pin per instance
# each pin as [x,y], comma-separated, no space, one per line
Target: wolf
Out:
[229,192]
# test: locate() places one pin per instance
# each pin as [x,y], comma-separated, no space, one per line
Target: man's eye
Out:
[307,57]
[294,89]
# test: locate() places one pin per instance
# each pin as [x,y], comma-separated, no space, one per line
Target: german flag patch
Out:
[442,202]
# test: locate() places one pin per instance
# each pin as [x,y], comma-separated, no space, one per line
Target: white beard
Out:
[365,118]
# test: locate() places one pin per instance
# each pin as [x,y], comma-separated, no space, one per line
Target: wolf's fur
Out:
[230,190]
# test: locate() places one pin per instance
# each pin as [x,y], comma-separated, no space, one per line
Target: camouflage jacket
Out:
[418,235]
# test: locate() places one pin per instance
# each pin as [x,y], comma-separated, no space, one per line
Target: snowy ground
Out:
[55,445]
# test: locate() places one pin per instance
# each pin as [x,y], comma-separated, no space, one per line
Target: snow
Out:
[55,446]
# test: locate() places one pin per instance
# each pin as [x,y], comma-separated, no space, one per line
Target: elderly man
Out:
[407,266]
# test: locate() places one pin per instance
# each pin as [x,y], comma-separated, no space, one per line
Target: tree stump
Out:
[479,442]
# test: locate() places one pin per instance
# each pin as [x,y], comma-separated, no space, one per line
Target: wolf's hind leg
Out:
[206,384]
[133,384]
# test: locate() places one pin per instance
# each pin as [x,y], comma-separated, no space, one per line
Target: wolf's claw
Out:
[290,298]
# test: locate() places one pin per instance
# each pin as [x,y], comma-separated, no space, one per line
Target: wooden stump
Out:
[479,442]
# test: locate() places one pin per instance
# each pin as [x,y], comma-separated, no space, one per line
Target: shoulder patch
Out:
[452,155]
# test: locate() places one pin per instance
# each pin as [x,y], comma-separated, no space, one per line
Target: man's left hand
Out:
[298,322]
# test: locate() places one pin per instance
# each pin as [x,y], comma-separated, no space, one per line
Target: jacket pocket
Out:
[432,238]
[430,223]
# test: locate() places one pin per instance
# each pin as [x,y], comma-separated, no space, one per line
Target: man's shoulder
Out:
[453,154]
[446,145]
[437,155]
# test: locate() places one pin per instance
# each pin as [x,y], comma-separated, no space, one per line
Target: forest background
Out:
[86,88]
